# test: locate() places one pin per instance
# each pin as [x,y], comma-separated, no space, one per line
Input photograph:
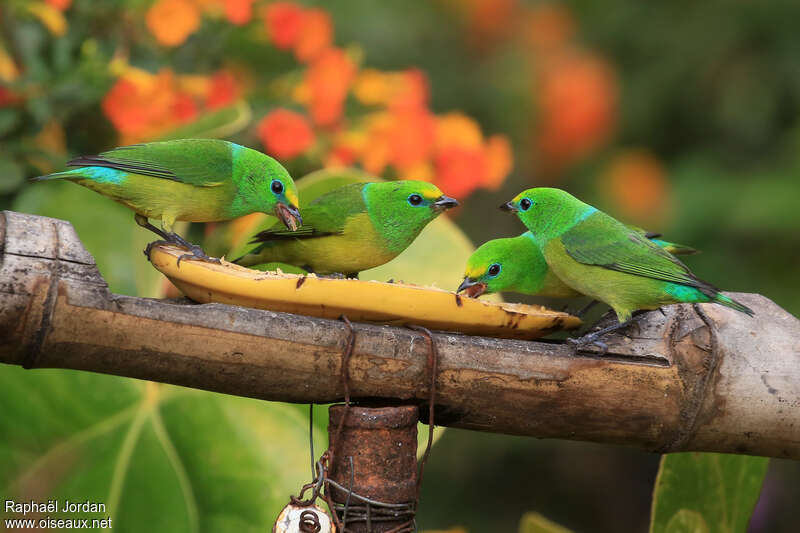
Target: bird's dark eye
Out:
[525,204]
[494,270]
[277,187]
[415,199]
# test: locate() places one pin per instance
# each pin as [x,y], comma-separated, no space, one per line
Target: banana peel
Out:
[363,301]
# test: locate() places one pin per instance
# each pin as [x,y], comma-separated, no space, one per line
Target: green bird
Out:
[197,180]
[516,265]
[353,228]
[601,257]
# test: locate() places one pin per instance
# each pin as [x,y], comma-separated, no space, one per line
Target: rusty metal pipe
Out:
[380,443]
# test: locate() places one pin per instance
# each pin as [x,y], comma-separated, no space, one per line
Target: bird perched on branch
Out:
[353,228]
[601,257]
[196,180]
[516,265]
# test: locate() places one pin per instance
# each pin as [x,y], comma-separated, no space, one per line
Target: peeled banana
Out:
[365,301]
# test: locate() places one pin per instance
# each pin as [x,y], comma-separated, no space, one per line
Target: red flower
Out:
[329,78]
[459,171]
[184,108]
[283,21]
[223,91]
[239,11]
[285,134]
[61,5]
[314,36]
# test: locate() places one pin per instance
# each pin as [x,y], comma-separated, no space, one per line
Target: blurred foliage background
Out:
[681,117]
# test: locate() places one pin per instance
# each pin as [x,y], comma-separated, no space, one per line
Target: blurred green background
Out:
[681,117]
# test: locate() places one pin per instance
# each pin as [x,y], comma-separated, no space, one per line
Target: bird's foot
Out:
[198,253]
[592,339]
[588,340]
[149,247]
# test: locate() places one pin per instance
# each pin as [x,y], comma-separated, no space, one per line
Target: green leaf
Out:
[701,492]
[105,228]
[161,458]
[536,523]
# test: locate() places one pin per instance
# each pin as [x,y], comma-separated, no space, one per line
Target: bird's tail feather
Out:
[55,175]
[680,249]
[733,304]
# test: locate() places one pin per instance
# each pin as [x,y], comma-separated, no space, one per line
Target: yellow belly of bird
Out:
[624,292]
[357,248]
[167,199]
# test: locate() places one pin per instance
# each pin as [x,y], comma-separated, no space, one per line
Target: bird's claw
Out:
[198,253]
[588,340]
[150,245]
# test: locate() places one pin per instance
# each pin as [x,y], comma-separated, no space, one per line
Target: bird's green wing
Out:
[199,162]
[327,215]
[602,241]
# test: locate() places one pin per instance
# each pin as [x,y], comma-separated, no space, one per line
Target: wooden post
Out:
[691,377]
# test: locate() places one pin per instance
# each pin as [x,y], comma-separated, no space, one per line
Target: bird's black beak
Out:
[445,202]
[510,207]
[289,215]
[473,287]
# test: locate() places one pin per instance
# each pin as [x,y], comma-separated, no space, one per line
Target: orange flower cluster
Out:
[143,106]
[395,130]
[399,131]
[576,92]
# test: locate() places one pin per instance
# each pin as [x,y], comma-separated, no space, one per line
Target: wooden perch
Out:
[691,378]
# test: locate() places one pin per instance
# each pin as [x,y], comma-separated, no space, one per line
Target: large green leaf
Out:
[702,492]
[106,229]
[161,458]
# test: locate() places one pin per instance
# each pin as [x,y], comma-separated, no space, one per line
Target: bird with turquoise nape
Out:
[195,180]
[599,256]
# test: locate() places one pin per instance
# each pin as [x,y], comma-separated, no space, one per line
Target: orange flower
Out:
[548,26]
[411,137]
[141,105]
[61,5]
[7,97]
[499,160]
[457,129]
[577,100]
[283,21]
[285,134]
[637,182]
[412,91]
[314,36]
[184,108]
[223,91]
[239,11]
[459,171]
[172,21]
[489,21]
[329,77]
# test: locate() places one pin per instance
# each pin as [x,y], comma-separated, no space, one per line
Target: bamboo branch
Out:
[691,378]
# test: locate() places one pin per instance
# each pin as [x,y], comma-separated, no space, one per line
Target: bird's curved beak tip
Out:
[471,287]
[445,202]
[510,207]
[289,215]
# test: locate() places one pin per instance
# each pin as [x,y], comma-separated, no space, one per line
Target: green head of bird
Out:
[265,186]
[401,209]
[547,212]
[512,264]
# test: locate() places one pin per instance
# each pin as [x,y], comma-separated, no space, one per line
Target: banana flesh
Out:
[363,301]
